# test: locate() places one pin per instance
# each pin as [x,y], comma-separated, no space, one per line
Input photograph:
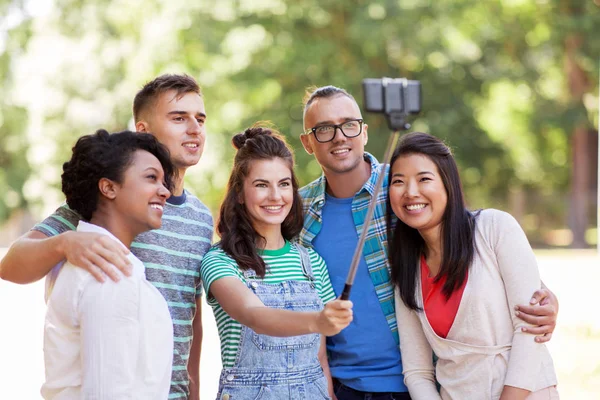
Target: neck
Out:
[178,183]
[433,248]
[347,184]
[273,239]
[114,225]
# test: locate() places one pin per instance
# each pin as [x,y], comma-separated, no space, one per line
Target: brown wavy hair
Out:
[239,239]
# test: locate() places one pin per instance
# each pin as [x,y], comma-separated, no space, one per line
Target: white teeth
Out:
[272,208]
[157,206]
[190,145]
[413,207]
[340,151]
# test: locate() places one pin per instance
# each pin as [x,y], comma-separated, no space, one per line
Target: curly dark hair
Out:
[105,155]
[182,84]
[239,239]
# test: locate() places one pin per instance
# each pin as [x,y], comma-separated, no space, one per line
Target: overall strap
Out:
[305,259]
[249,273]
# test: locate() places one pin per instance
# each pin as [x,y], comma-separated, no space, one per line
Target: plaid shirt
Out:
[375,250]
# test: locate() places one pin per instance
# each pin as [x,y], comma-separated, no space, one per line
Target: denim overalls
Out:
[268,367]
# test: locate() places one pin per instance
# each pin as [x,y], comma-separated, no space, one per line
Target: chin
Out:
[154,225]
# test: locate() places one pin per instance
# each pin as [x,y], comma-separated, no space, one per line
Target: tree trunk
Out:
[578,84]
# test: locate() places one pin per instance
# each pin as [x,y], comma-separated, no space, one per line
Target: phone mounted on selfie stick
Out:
[397,99]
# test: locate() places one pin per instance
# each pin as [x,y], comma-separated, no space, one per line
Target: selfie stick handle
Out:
[363,235]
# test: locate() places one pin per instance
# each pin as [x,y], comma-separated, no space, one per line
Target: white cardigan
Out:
[485,348]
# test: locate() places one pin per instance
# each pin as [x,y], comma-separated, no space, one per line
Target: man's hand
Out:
[542,312]
[96,253]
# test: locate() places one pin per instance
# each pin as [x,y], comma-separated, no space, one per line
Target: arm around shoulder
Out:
[31,257]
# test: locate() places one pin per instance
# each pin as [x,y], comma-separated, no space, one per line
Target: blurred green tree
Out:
[511,85]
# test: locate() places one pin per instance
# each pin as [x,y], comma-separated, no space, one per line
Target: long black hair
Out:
[458,224]
[239,239]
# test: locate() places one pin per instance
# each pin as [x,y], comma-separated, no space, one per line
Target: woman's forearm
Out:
[281,323]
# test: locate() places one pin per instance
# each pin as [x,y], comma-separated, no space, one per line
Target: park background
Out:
[511,85]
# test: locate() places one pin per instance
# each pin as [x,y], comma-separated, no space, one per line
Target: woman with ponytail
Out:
[267,293]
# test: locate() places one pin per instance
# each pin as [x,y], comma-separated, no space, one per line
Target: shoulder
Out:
[495,227]
[312,253]
[216,256]
[195,201]
[313,189]
[192,206]
[62,220]
[217,264]
[317,262]
[493,219]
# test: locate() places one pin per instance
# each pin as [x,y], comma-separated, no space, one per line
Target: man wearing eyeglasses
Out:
[364,358]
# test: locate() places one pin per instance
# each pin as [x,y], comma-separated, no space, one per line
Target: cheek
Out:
[288,196]
[395,197]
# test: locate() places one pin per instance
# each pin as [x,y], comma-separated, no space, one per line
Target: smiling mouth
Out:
[157,206]
[340,151]
[191,145]
[415,207]
[272,208]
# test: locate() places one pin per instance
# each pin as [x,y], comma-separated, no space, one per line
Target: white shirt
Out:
[106,341]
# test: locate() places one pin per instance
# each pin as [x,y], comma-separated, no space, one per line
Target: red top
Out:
[440,313]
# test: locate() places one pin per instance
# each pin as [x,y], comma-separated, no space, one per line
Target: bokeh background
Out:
[511,85]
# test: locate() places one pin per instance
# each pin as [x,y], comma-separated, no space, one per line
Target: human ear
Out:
[142,126]
[107,188]
[306,144]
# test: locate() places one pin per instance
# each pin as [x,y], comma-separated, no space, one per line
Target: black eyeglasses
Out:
[326,133]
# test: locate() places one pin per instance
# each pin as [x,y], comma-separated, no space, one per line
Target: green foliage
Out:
[493,78]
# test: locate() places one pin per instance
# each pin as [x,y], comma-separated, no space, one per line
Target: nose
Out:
[163,191]
[412,189]
[194,127]
[275,193]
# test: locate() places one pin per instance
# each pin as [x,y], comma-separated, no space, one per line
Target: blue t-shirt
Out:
[364,356]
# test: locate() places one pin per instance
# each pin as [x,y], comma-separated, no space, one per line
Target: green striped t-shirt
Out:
[282,265]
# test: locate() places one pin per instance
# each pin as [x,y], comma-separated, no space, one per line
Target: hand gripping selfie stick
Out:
[397,98]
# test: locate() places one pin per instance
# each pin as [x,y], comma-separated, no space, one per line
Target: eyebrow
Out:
[177,112]
[329,122]
[261,180]
[151,168]
[420,173]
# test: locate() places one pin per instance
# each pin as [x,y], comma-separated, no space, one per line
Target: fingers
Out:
[544,311]
[110,257]
[544,338]
[537,320]
[538,296]
[543,319]
[95,262]
[341,304]
[539,330]
[99,255]
[338,314]
[96,272]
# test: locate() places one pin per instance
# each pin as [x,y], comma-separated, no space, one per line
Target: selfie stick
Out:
[396,98]
[363,235]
